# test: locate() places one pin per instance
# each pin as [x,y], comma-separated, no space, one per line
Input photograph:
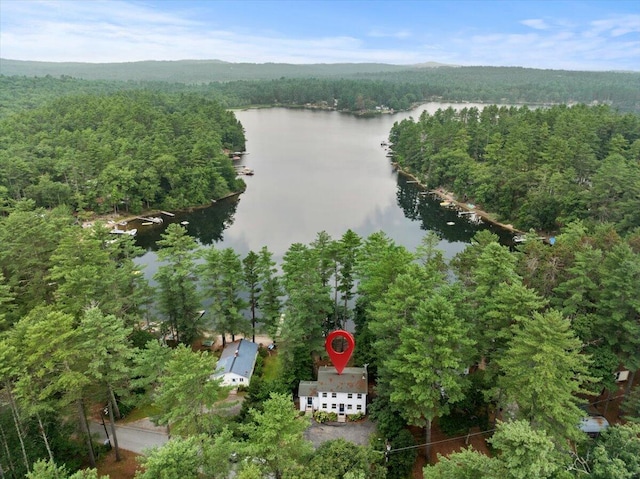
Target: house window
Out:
[324,405]
[359,396]
[241,380]
[349,406]
[333,395]
[349,396]
[324,395]
[359,407]
[233,380]
[333,406]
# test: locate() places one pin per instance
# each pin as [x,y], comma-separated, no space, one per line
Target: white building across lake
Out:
[343,394]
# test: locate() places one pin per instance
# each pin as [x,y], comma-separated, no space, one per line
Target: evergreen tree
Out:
[187,392]
[176,279]
[275,437]
[427,368]
[543,370]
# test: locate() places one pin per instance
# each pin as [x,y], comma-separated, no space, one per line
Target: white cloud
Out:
[117,31]
[400,34]
[616,26]
[536,23]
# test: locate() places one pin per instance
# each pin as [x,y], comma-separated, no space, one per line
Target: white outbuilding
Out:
[236,363]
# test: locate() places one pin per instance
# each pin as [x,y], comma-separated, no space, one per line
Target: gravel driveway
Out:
[356,432]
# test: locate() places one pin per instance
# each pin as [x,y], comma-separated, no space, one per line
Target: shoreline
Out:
[462,206]
[127,218]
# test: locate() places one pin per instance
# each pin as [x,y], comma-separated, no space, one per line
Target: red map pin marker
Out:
[340,358]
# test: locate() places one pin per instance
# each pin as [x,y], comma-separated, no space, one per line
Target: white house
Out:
[236,363]
[343,394]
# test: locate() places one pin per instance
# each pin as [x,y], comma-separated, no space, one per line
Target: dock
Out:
[167,213]
[154,219]
[464,208]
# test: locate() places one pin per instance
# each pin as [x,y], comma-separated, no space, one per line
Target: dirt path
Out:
[443,445]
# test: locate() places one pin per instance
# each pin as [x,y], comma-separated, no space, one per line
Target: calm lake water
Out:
[318,171]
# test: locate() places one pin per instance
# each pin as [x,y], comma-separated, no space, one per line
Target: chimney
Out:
[236,353]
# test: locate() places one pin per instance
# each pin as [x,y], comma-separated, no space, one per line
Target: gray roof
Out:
[352,380]
[594,424]
[241,363]
[308,388]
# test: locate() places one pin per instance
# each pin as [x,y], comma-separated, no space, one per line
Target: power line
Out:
[436,442]
[619,396]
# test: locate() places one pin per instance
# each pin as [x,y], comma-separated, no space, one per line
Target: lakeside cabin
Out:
[236,363]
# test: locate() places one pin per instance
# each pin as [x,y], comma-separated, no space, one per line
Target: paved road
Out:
[134,437]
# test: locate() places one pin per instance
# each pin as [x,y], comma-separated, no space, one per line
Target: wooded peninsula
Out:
[513,345]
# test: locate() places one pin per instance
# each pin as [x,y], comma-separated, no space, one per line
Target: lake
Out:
[318,171]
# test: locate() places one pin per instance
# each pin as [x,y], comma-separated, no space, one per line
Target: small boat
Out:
[446,203]
[236,158]
[118,231]
[147,223]
[167,213]
[155,219]
[450,223]
[245,171]
[184,223]
[475,219]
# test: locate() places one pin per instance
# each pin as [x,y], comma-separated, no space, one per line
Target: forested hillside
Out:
[191,71]
[347,87]
[127,151]
[537,169]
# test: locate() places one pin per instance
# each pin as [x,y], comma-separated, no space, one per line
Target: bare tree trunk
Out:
[627,389]
[606,403]
[44,437]
[427,448]
[335,301]
[253,323]
[116,409]
[6,448]
[16,421]
[113,431]
[85,428]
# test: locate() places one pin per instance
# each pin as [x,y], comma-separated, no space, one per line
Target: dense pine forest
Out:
[536,168]
[510,342]
[518,344]
[127,151]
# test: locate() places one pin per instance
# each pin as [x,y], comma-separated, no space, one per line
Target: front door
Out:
[341,408]
[309,401]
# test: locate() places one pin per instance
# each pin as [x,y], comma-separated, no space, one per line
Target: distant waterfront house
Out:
[236,363]
[343,394]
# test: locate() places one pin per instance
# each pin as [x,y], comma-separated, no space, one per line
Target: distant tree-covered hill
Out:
[347,87]
[194,71]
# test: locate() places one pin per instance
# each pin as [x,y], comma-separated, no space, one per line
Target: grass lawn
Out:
[272,367]
[141,413]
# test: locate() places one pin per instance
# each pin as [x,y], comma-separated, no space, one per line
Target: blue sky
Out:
[573,35]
